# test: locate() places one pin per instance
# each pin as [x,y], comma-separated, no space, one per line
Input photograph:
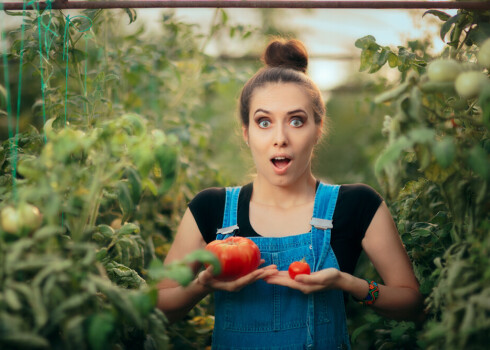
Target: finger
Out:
[256,275]
[251,278]
[293,284]
[323,277]
[282,281]
[266,273]
[205,278]
[308,279]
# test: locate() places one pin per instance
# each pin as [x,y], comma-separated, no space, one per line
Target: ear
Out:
[319,131]
[245,134]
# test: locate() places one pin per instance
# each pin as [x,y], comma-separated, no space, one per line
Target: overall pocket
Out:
[262,307]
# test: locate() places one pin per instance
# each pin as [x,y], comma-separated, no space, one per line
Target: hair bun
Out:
[286,53]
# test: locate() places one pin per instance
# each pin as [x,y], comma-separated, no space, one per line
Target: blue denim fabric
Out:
[263,316]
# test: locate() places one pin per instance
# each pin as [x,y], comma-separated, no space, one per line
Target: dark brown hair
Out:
[286,61]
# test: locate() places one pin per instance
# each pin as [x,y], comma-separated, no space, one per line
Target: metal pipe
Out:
[318,4]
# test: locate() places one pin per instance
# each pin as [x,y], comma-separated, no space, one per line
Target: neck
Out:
[299,193]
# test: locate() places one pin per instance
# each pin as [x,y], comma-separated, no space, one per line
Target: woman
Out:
[291,215]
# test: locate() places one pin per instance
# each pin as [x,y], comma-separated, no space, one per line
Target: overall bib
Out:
[264,316]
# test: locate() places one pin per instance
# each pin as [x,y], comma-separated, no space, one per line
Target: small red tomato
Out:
[238,257]
[299,268]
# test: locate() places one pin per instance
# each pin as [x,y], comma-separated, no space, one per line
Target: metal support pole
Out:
[318,4]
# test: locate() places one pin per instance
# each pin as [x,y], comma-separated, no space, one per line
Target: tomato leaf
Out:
[124,198]
[484,101]
[128,229]
[447,26]
[205,257]
[224,16]
[12,13]
[100,330]
[131,14]
[391,153]
[443,16]
[143,302]
[25,340]
[445,151]
[117,297]
[366,42]
[11,299]
[378,60]
[421,135]
[392,60]
[359,330]
[177,271]
[366,59]
[124,276]
[134,184]
[478,160]
[167,159]
[105,232]
[47,232]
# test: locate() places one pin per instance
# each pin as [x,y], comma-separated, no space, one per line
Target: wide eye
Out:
[264,123]
[296,122]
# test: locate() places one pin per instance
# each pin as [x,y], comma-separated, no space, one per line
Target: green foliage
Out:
[375,56]
[127,128]
[351,115]
[435,173]
[113,142]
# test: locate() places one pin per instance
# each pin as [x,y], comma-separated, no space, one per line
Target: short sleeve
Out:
[360,202]
[356,206]
[207,208]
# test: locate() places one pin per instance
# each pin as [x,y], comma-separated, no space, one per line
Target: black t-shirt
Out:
[355,208]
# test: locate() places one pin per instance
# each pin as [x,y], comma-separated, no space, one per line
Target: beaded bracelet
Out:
[372,294]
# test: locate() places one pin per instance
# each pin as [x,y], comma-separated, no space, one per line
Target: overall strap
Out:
[325,201]
[230,212]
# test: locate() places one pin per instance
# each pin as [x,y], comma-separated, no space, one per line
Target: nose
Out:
[280,137]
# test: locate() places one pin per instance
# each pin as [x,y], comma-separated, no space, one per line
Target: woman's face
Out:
[282,133]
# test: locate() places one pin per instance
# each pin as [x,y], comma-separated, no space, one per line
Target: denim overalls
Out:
[265,316]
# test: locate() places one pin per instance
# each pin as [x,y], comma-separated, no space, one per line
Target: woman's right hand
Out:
[207,279]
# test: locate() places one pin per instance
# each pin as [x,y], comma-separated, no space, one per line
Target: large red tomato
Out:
[238,256]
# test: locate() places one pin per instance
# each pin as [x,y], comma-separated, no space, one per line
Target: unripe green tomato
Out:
[10,220]
[30,216]
[386,125]
[443,70]
[483,55]
[469,84]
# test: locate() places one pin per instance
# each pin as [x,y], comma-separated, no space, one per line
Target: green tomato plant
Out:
[110,149]
[435,172]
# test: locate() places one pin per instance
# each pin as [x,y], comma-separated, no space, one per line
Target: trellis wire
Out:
[13,142]
[386,4]
[65,56]
[13,136]
[43,97]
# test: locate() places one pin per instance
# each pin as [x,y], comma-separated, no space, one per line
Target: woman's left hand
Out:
[317,281]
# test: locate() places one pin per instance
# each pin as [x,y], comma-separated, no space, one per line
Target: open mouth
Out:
[280,162]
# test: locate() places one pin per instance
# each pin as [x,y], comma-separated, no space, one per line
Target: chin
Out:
[283,181]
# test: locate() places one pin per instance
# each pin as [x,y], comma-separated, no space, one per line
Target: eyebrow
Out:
[298,110]
[290,112]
